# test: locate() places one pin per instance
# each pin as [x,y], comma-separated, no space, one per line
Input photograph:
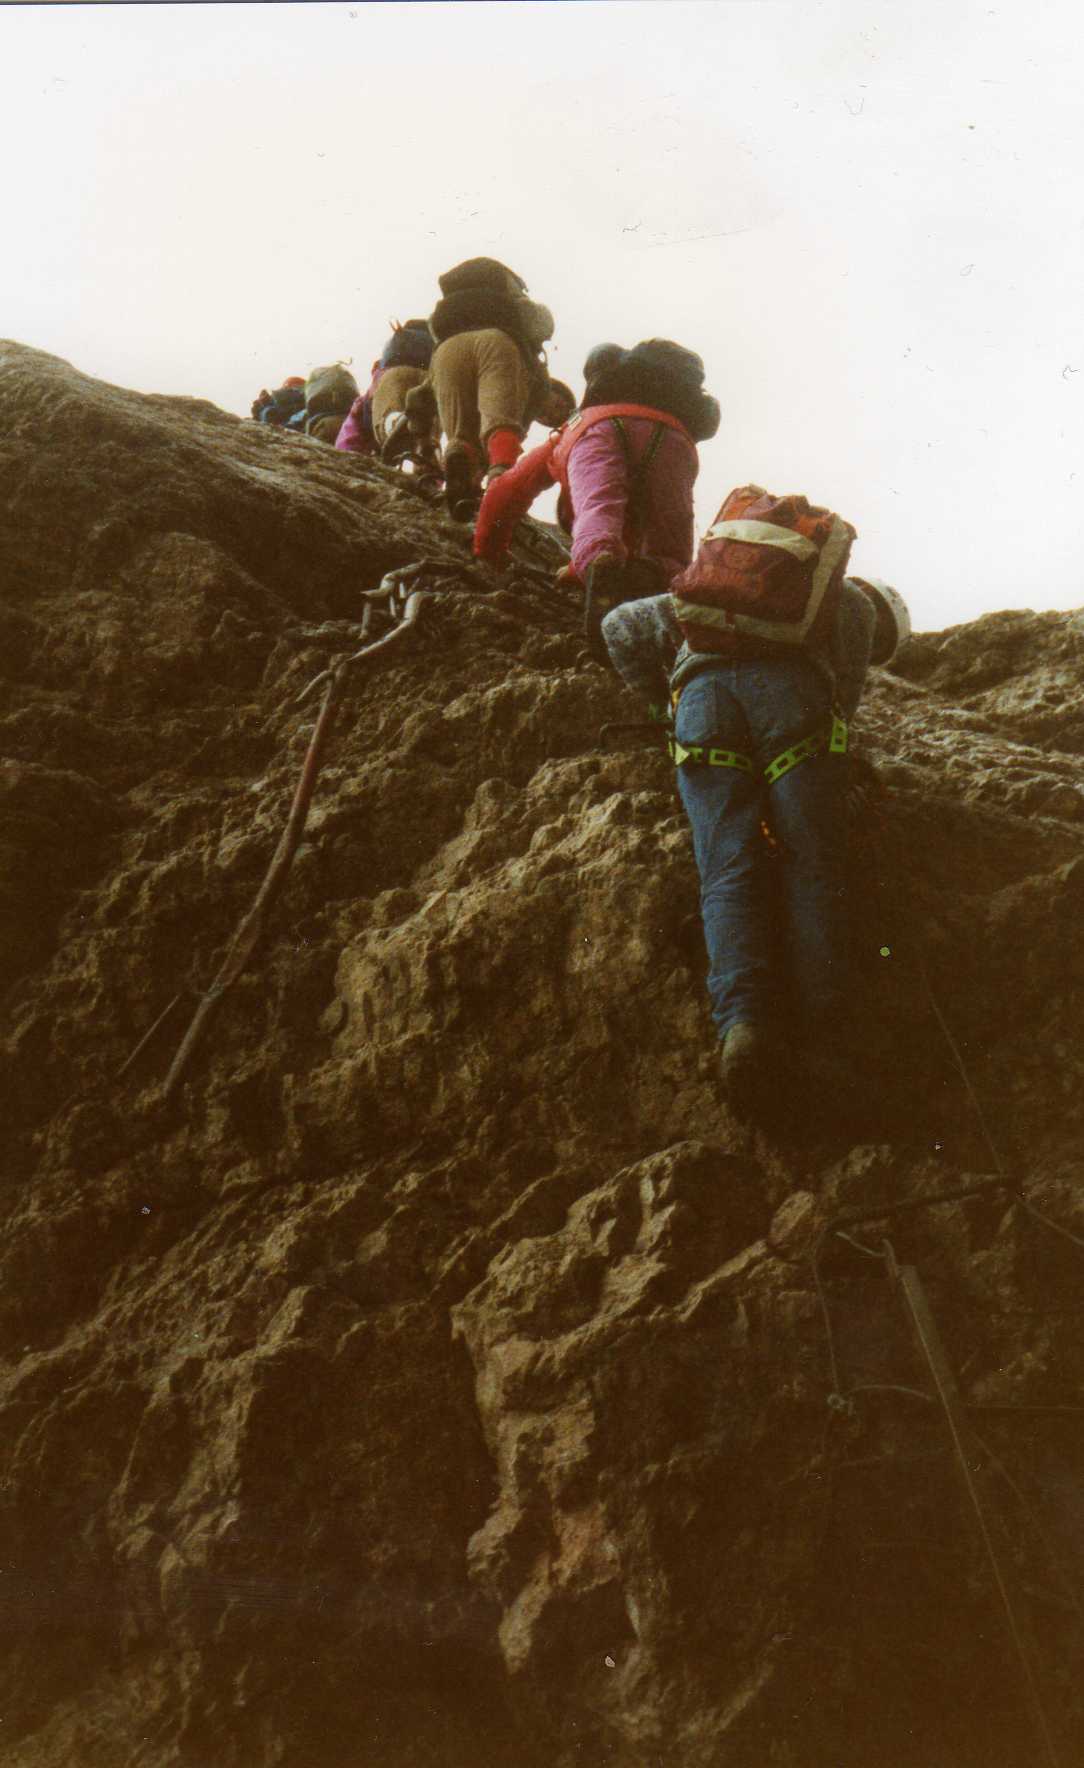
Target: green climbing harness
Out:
[834,740]
[700,756]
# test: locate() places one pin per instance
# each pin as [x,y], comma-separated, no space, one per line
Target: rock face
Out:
[441,1376]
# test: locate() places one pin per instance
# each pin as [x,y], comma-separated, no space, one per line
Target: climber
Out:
[759,736]
[404,365]
[488,373]
[275,408]
[376,421]
[329,395]
[626,464]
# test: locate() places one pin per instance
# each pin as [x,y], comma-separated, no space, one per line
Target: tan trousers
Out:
[481,383]
[391,391]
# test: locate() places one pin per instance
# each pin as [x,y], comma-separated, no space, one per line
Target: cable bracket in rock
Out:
[404,596]
[250,930]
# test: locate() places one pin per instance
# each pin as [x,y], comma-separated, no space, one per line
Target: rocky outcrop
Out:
[442,1376]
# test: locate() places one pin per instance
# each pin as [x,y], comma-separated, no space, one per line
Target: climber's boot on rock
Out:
[460,494]
[610,582]
[398,440]
[641,577]
[745,1068]
[603,581]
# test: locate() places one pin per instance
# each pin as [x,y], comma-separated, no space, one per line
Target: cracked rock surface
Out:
[443,1377]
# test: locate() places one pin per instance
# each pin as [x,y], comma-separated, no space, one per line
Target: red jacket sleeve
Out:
[508,499]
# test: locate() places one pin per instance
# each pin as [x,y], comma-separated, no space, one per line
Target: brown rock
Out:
[796,1225]
[421,1388]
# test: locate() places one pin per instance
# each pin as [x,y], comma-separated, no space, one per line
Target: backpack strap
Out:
[637,471]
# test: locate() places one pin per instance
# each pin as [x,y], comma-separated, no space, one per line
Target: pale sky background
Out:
[867,218]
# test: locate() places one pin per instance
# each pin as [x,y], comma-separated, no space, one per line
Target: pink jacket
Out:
[587,459]
[356,434]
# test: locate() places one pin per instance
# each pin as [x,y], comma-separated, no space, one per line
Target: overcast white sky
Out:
[868,218]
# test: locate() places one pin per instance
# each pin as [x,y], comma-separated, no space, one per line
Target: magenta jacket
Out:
[593,475]
[356,435]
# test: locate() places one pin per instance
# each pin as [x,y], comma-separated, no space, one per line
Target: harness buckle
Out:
[696,753]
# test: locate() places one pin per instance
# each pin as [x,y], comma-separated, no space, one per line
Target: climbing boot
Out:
[604,579]
[460,495]
[745,1068]
[428,484]
[425,456]
[642,577]
[398,440]
[610,582]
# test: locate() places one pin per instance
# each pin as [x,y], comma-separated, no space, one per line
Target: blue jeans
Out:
[761,708]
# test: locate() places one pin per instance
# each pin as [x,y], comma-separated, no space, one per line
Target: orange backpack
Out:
[769,571]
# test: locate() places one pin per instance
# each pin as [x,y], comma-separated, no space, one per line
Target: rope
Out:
[250,930]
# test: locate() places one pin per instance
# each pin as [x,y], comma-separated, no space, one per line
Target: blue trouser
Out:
[761,708]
